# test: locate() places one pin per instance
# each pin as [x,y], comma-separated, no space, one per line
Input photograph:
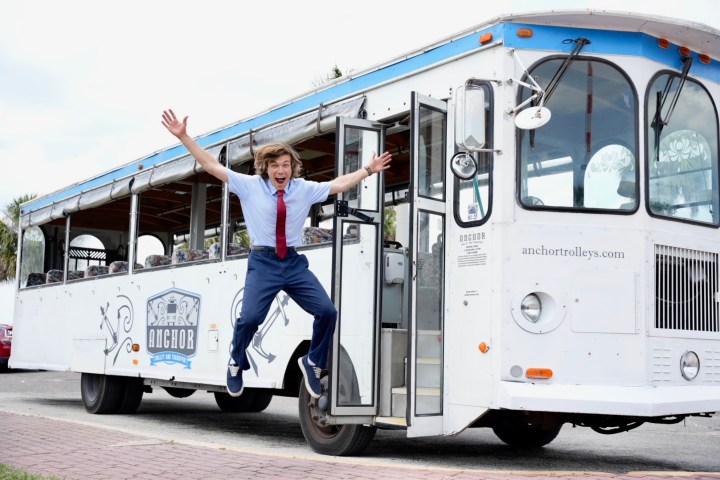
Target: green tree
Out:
[334,74]
[8,236]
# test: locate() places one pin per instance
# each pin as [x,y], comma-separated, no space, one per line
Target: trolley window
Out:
[682,150]
[585,158]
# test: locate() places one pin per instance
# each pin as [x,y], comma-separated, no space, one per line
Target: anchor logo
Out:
[172,327]
[124,319]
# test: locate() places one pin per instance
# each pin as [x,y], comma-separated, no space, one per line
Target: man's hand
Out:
[174,126]
[378,164]
[206,161]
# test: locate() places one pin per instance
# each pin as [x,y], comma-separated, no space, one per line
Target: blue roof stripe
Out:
[607,42]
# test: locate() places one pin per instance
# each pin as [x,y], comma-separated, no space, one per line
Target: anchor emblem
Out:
[124,318]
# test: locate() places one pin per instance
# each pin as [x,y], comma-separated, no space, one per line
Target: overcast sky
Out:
[83,82]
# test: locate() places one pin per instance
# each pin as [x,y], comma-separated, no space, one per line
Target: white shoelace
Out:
[234,369]
[317,371]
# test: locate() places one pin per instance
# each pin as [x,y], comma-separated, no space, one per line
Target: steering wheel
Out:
[391,244]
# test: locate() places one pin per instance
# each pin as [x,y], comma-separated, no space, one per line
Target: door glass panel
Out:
[428,308]
[356,372]
[472,197]
[359,147]
[431,153]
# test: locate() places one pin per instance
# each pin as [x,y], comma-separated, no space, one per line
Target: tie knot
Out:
[281,193]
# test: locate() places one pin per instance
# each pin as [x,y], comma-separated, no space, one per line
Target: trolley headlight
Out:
[536,309]
[689,365]
[531,307]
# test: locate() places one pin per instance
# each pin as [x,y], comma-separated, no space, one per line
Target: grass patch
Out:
[9,473]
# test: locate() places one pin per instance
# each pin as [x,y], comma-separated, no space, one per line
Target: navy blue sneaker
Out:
[234,380]
[312,376]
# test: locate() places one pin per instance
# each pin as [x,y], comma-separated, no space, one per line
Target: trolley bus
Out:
[553,260]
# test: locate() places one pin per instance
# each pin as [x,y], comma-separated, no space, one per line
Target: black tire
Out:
[230,404]
[338,440]
[101,394]
[179,392]
[132,396]
[527,436]
[260,401]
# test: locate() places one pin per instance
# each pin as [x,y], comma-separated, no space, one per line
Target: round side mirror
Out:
[463,165]
[531,118]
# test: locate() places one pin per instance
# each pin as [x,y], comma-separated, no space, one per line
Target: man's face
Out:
[280,171]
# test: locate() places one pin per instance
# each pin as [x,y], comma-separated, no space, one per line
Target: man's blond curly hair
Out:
[268,153]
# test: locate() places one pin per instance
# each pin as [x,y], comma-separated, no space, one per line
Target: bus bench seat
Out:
[157,260]
[183,255]
[119,266]
[233,249]
[54,276]
[315,235]
[95,270]
[35,278]
[75,274]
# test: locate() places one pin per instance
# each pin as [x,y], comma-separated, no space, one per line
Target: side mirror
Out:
[470,117]
[463,165]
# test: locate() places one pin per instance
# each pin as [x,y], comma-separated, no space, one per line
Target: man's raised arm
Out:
[345,182]
[206,161]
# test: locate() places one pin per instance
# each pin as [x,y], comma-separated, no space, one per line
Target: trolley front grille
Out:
[686,289]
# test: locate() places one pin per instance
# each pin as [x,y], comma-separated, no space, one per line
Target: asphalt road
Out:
[691,446]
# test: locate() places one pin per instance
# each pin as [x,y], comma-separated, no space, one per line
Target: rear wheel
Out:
[231,404]
[101,393]
[260,401]
[132,395]
[527,436]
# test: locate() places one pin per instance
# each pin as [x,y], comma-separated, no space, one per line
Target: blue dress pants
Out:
[267,274]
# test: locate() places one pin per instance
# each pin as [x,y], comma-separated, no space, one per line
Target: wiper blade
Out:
[658,122]
[687,62]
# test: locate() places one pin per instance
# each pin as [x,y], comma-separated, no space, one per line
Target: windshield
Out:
[585,158]
[682,154]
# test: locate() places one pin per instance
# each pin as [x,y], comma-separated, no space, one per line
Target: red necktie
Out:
[280,242]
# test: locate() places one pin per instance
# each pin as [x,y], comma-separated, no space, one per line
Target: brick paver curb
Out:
[71,450]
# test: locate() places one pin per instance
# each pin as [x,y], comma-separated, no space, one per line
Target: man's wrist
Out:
[368,170]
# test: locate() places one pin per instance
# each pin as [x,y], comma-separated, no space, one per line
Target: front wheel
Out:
[339,440]
[527,436]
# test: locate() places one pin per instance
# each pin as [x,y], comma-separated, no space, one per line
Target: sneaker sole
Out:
[235,394]
[307,383]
